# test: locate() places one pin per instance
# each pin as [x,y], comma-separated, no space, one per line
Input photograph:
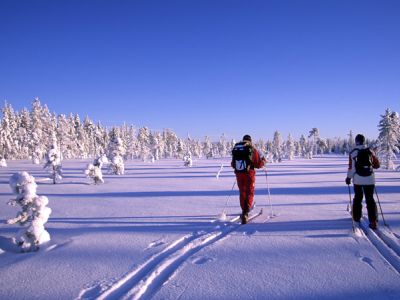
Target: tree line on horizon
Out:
[29,134]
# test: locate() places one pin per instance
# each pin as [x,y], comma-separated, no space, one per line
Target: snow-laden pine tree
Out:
[260,145]
[180,148]
[322,146]
[154,144]
[171,143]
[116,151]
[8,132]
[301,149]
[207,147]
[313,138]
[351,143]
[159,146]
[89,134]
[196,146]
[290,147]
[37,139]
[129,136]
[53,163]
[388,140]
[33,215]
[101,140]
[93,170]
[49,128]
[24,133]
[80,138]
[187,160]
[222,146]
[143,139]
[277,147]
[63,136]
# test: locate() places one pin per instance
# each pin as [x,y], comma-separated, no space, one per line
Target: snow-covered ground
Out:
[153,233]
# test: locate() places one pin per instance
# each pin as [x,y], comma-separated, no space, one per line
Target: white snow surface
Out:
[153,233]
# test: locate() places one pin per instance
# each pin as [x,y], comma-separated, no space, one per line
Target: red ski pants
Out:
[246,183]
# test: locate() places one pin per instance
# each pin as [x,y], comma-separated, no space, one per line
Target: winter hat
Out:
[360,139]
[247,138]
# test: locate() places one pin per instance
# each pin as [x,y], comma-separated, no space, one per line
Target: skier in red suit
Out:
[245,159]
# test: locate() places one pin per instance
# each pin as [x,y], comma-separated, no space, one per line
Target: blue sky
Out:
[206,67]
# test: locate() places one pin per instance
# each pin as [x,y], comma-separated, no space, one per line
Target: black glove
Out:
[348,180]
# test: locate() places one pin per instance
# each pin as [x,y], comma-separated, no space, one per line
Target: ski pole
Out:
[380,207]
[223,215]
[352,218]
[269,193]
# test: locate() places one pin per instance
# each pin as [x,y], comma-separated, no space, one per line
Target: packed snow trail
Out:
[382,238]
[384,241]
[148,278]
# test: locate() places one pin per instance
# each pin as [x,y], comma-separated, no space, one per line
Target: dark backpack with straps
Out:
[363,161]
[241,156]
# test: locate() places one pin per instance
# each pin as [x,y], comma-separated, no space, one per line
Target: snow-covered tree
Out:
[129,136]
[24,133]
[290,147]
[89,135]
[207,147]
[53,163]
[277,147]
[81,141]
[180,148]
[389,136]
[116,151]
[322,145]
[3,162]
[38,146]
[260,145]
[144,143]
[301,147]
[154,144]
[101,140]
[187,160]
[93,170]
[222,146]
[33,215]
[49,126]
[63,136]
[313,139]
[8,140]
[351,143]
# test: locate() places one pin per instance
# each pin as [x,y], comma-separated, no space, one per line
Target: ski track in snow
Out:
[385,242]
[144,281]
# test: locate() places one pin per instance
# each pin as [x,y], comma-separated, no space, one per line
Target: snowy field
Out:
[153,233]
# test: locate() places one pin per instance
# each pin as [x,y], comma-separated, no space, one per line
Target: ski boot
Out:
[373,224]
[244,217]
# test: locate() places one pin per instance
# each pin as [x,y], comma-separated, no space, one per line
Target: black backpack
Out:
[241,156]
[364,162]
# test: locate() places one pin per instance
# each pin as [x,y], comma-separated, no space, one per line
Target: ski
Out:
[357,229]
[250,219]
[254,216]
[237,219]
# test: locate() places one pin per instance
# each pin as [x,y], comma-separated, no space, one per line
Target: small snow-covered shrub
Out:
[36,160]
[117,166]
[3,163]
[94,170]
[33,215]
[187,160]
[53,164]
